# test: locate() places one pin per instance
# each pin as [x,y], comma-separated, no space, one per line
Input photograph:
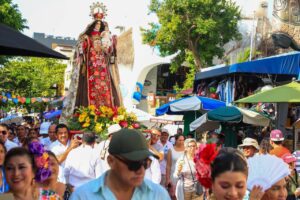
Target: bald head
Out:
[51,132]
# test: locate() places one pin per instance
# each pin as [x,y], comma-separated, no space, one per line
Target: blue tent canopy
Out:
[218,70]
[284,64]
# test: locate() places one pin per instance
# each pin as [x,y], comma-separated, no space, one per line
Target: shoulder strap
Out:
[189,167]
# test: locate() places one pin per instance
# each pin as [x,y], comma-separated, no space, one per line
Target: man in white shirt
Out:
[166,147]
[156,147]
[102,148]
[3,137]
[62,147]
[81,163]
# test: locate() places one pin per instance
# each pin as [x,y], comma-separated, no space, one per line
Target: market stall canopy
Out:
[168,119]
[14,43]
[12,119]
[140,114]
[211,120]
[193,103]
[284,64]
[289,93]
[52,114]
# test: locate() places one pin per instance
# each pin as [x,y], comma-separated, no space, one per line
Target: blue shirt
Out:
[97,189]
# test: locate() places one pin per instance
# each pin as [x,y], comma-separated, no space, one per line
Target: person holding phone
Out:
[62,147]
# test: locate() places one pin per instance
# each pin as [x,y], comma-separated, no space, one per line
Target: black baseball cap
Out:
[129,144]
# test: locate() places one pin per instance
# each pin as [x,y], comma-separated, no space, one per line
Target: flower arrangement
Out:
[41,159]
[203,159]
[99,119]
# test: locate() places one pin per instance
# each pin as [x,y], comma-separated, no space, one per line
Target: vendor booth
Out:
[230,118]
[229,83]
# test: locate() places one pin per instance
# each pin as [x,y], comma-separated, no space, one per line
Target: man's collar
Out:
[100,184]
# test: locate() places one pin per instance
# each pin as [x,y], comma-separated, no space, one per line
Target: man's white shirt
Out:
[9,145]
[81,165]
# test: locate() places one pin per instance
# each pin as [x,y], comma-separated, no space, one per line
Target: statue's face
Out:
[98,25]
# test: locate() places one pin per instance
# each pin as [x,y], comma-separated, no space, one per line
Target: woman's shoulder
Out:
[60,188]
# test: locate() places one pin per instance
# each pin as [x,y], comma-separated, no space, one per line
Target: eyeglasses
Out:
[135,165]
[192,146]
[3,132]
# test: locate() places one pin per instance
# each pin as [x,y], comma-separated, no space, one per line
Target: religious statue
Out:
[95,76]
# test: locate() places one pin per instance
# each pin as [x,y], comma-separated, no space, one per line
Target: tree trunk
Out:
[196,55]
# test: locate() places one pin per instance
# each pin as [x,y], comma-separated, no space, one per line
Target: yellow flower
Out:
[116,120]
[96,118]
[45,155]
[92,107]
[87,120]
[98,127]
[85,125]
[121,117]
[121,110]
[81,118]
[46,165]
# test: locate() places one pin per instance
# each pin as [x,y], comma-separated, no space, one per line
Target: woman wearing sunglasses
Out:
[4,132]
[186,172]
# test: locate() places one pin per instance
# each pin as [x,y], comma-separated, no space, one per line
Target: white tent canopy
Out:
[248,117]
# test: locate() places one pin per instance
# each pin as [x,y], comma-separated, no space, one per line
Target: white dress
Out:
[175,155]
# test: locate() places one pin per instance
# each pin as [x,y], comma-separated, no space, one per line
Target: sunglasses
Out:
[3,132]
[135,165]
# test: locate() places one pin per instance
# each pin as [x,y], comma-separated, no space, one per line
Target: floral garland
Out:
[41,159]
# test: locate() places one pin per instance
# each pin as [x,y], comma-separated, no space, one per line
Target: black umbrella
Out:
[14,43]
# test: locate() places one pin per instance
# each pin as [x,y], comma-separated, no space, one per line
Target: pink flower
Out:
[123,124]
[40,162]
[135,125]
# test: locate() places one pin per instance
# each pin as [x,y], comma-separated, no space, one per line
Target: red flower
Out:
[136,125]
[123,124]
[97,112]
[203,161]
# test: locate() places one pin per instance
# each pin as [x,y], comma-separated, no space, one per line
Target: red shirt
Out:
[279,151]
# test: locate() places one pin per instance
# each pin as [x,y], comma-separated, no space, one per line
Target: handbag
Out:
[198,187]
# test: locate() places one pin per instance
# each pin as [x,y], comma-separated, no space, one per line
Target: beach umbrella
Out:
[289,93]
[211,120]
[52,114]
[194,103]
[14,43]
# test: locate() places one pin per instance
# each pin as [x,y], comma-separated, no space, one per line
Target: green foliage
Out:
[31,77]
[11,16]
[192,27]
[245,55]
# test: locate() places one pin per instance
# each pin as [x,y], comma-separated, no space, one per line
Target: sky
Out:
[68,18]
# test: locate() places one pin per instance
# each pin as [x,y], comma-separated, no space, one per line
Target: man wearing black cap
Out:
[128,159]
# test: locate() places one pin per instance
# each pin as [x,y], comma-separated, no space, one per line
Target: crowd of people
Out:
[47,162]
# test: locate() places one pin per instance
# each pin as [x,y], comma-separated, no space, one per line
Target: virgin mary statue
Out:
[95,77]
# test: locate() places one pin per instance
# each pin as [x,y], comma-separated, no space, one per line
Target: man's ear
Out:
[110,160]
